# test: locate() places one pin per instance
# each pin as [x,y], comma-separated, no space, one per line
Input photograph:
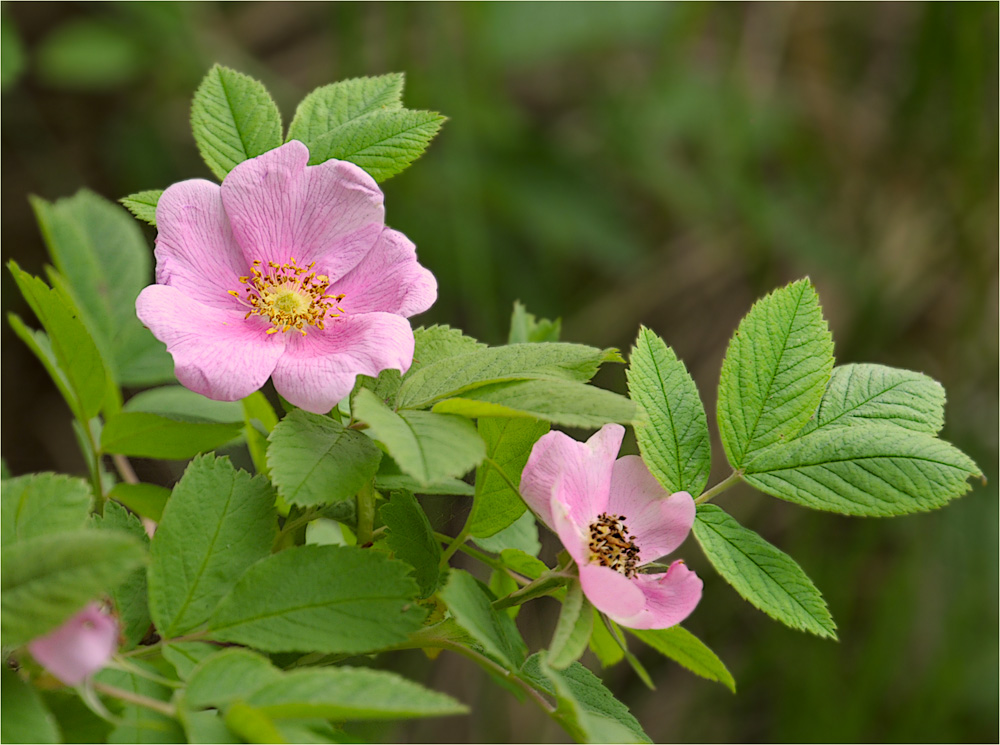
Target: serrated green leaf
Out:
[233,119]
[47,579]
[470,603]
[142,204]
[178,402]
[129,595]
[763,575]
[688,650]
[23,715]
[331,599]
[218,522]
[671,427]
[572,632]
[334,105]
[147,500]
[145,435]
[411,539]
[523,562]
[435,343]
[42,503]
[775,372]
[522,535]
[230,675]
[186,656]
[873,470]
[315,460]
[524,327]
[429,447]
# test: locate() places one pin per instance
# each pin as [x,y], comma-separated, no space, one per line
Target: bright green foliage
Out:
[315,460]
[178,402]
[153,436]
[23,715]
[233,118]
[470,603]
[217,523]
[671,427]
[775,371]
[766,577]
[524,327]
[873,470]
[129,595]
[337,104]
[603,645]
[521,535]
[137,723]
[142,204]
[875,394]
[259,420]
[508,444]
[333,599]
[685,648]
[42,503]
[47,579]
[78,360]
[427,446]
[390,478]
[231,674]
[411,539]
[588,710]
[436,343]
[576,621]
[207,727]
[186,656]
[147,500]
[523,563]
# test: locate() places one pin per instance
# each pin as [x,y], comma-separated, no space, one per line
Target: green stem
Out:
[120,663]
[456,544]
[292,525]
[734,478]
[487,663]
[366,513]
[135,698]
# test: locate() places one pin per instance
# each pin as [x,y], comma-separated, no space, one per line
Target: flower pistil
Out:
[610,545]
[289,296]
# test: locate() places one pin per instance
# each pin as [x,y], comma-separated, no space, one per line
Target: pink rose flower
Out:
[284,271]
[78,648]
[613,517]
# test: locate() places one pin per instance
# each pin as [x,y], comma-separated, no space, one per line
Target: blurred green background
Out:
[619,164]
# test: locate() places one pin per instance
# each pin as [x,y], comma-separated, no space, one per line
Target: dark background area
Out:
[618,164]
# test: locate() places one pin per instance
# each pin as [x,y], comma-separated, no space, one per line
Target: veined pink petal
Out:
[618,597]
[388,279]
[279,208]
[574,536]
[585,469]
[78,648]
[195,248]
[318,369]
[216,352]
[658,522]
[669,598]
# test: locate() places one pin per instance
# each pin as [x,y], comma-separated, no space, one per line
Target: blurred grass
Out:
[618,164]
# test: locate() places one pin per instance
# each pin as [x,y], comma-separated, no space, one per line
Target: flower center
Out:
[610,545]
[288,295]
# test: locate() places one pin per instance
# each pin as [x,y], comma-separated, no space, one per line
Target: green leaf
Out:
[42,503]
[576,621]
[608,651]
[23,715]
[454,375]
[523,562]
[233,119]
[145,435]
[558,401]
[524,327]
[775,372]
[874,394]
[521,535]
[508,444]
[335,105]
[764,576]
[129,595]
[259,420]
[429,447]
[348,693]
[147,500]
[207,727]
[315,460]
[177,402]
[142,204]
[47,579]
[587,710]
[73,348]
[186,656]
[470,603]
[40,345]
[411,539]
[230,675]
[331,599]
[873,470]
[390,478]
[436,343]
[688,650]
[138,724]
[671,427]
[252,725]
[217,523]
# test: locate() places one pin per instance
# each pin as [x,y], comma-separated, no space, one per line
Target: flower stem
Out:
[366,513]
[135,698]
[125,469]
[734,478]
[456,544]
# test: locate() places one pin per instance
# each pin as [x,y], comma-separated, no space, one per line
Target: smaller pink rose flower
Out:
[613,517]
[80,647]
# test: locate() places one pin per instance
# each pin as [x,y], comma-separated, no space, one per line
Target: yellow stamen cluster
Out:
[288,295]
[610,545]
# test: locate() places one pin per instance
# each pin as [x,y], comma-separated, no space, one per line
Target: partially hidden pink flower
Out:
[80,647]
[285,271]
[613,517]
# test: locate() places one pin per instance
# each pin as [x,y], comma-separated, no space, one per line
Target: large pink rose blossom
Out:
[80,647]
[284,271]
[613,517]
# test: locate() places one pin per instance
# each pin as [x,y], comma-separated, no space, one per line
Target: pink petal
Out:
[618,597]
[585,469]
[195,248]
[279,208]
[669,598]
[318,369]
[78,648]
[657,522]
[388,279]
[575,537]
[216,352]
